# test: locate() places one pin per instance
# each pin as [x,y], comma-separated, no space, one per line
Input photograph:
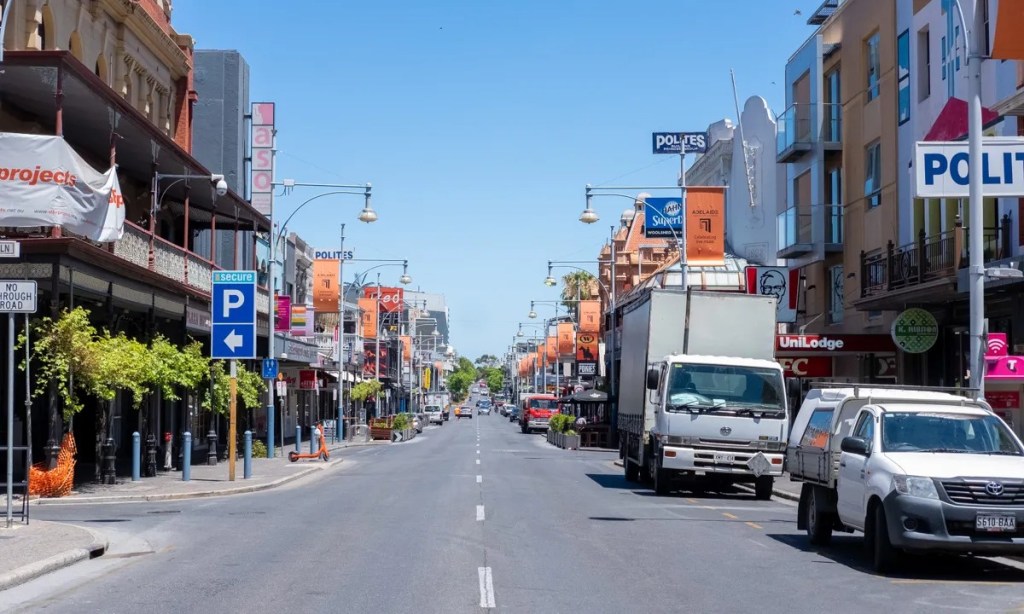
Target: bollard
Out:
[211,455]
[186,453]
[136,456]
[108,472]
[312,439]
[151,455]
[298,439]
[247,458]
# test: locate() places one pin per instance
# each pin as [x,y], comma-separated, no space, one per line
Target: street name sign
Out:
[233,317]
[17,296]
[941,168]
[679,142]
[10,249]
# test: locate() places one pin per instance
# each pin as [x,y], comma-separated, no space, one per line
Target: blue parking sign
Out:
[233,315]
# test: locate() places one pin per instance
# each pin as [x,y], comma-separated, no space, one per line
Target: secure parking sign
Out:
[233,317]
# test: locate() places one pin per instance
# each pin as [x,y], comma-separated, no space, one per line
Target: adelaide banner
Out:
[326,289]
[566,338]
[705,226]
[590,316]
[43,182]
[369,308]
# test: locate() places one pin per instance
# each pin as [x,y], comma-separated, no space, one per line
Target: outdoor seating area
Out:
[589,408]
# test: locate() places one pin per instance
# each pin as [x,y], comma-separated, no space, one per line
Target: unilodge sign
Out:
[680,142]
[940,168]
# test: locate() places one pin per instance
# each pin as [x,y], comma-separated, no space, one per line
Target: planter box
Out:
[561,440]
[407,434]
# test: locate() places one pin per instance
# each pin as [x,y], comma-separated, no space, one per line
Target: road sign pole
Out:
[232,416]
[682,233]
[10,420]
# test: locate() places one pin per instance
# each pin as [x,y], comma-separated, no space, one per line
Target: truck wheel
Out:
[819,524]
[631,470]
[763,487]
[524,429]
[884,557]
[659,478]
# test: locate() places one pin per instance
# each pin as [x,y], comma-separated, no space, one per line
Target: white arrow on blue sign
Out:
[233,317]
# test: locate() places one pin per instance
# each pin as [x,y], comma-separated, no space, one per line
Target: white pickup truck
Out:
[915,470]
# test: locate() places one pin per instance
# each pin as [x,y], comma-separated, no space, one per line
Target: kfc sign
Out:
[817,366]
[779,282]
[390,300]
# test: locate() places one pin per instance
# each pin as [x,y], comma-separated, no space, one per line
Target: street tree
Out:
[578,286]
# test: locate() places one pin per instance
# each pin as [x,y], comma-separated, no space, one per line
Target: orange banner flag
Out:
[705,226]
[590,316]
[368,307]
[1008,43]
[326,289]
[566,337]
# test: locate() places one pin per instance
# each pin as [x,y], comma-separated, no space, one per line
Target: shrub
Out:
[259,449]
[401,422]
[559,423]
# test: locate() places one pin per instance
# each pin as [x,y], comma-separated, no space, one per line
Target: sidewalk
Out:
[41,547]
[206,480]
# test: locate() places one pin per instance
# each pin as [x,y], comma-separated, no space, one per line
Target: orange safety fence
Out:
[56,482]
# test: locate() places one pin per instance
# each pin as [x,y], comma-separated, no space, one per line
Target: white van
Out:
[913,469]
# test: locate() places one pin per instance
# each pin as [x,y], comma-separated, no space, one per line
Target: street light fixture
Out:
[550,281]
[533,314]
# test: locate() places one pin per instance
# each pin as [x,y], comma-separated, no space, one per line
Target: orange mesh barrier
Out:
[56,482]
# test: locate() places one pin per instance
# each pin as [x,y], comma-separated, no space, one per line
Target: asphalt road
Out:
[423,527]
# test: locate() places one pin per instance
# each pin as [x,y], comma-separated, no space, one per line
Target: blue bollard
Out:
[136,456]
[312,439]
[247,458]
[298,439]
[186,456]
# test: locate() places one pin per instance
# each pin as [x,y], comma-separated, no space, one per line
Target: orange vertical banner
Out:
[1008,43]
[566,337]
[705,226]
[538,355]
[406,347]
[590,316]
[326,288]
[368,306]
[551,348]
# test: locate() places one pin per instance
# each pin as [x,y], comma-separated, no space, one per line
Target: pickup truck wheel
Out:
[819,524]
[631,470]
[763,487]
[884,557]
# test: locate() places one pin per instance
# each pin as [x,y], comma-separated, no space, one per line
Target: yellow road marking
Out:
[691,500]
[754,525]
[728,515]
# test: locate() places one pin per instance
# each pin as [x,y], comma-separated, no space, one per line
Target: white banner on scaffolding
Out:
[43,182]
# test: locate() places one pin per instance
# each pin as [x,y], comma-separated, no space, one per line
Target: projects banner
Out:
[326,286]
[283,314]
[368,307]
[43,182]
[566,338]
[705,226]
[590,316]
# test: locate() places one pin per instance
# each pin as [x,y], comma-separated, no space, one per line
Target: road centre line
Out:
[479,479]
[479,512]
[754,525]
[478,461]
[486,587]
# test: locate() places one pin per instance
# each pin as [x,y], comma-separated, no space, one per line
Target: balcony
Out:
[922,270]
[799,128]
[795,232]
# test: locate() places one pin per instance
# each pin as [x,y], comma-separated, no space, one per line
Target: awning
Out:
[951,124]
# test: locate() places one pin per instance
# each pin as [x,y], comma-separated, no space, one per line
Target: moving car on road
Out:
[463,412]
[434,414]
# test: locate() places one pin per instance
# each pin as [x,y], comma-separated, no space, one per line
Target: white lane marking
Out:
[756,543]
[478,444]
[478,451]
[486,587]
[479,479]
[479,512]
[478,461]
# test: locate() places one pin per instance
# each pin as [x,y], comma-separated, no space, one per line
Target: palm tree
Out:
[578,286]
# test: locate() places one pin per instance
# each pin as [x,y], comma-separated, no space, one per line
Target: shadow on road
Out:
[849,550]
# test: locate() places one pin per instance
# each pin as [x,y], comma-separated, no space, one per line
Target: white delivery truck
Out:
[701,400]
[915,470]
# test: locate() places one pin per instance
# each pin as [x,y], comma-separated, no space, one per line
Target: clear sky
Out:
[479,122]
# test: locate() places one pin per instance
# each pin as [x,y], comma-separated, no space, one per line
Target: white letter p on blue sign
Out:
[233,299]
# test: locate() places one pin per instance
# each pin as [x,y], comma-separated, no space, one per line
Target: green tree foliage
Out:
[63,346]
[462,379]
[365,390]
[249,386]
[494,377]
[125,364]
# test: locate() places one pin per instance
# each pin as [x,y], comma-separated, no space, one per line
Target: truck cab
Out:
[536,410]
[716,419]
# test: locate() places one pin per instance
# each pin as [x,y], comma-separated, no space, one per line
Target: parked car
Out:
[434,414]
[417,422]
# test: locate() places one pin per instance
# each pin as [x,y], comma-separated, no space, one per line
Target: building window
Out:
[873,174]
[903,76]
[944,55]
[873,64]
[836,294]
[924,65]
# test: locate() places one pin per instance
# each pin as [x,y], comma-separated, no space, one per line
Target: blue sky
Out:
[480,122]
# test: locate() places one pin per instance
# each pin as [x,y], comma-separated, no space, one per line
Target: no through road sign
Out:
[17,296]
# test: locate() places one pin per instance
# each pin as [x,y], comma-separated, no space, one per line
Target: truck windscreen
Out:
[720,387]
[543,404]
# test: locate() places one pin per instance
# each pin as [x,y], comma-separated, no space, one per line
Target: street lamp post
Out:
[367,215]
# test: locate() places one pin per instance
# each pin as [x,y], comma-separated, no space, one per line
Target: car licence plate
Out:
[725,459]
[995,523]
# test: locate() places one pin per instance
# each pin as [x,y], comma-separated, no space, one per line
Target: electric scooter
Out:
[321,453]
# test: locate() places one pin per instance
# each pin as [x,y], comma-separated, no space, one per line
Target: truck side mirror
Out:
[653,375]
[854,445]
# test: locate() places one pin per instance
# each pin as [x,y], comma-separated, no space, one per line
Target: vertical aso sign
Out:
[262,178]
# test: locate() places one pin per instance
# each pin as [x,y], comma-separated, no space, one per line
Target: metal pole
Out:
[270,342]
[376,341]
[10,420]
[28,407]
[232,420]
[974,236]
[682,235]
[613,398]
[339,429]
